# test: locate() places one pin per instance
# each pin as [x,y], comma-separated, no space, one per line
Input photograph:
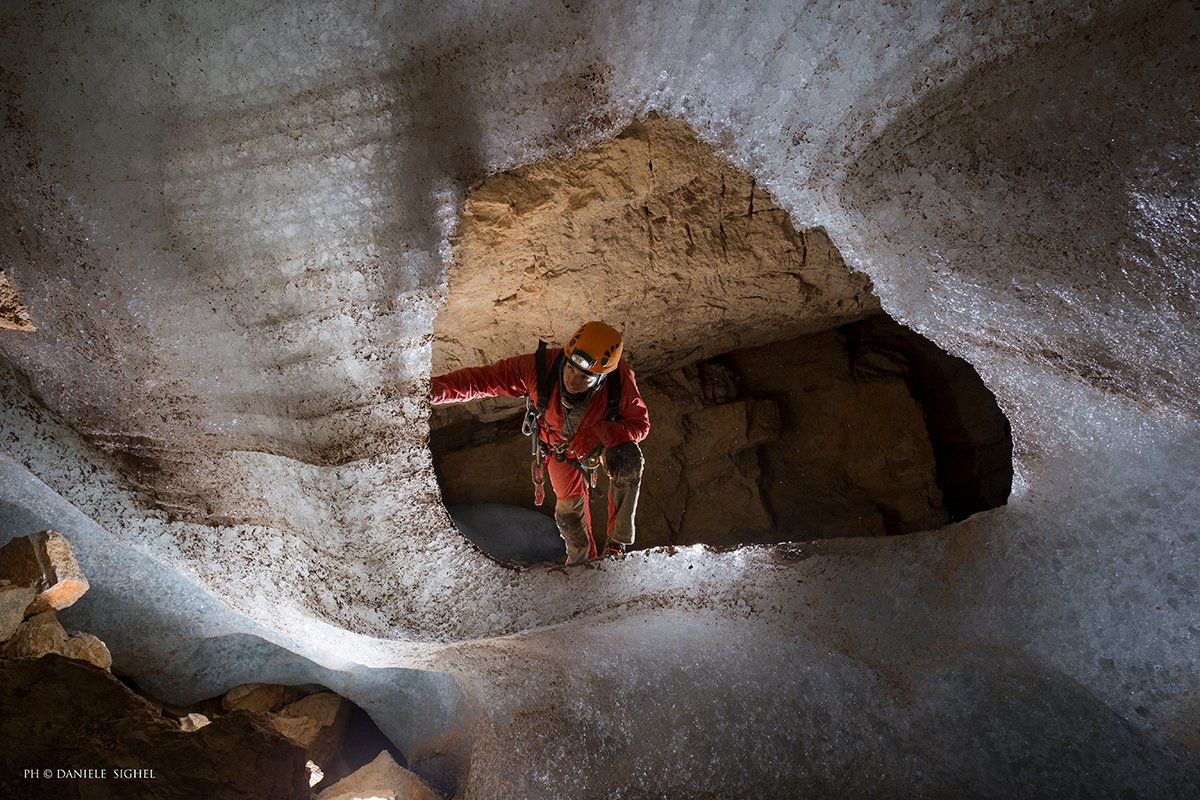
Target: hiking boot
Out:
[614,549]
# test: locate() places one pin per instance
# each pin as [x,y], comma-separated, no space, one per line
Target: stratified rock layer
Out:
[652,231]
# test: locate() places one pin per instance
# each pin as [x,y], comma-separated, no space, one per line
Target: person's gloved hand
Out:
[586,447]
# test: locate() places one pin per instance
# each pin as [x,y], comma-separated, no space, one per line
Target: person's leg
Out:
[571,511]
[623,463]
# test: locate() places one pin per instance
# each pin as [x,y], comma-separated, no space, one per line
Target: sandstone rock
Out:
[46,723]
[679,249]
[14,314]
[258,697]
[13,602]
[382,778]
[193,722]
[318,722]
[37,636]
[86,647]
[44,561]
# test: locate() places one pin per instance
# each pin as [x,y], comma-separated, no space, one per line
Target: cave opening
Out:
[785,405]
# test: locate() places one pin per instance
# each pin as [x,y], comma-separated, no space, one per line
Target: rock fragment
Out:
[45,562]
[193,722]
[13,602]
[43,634]
[87,647]
[37,636]
[382,778]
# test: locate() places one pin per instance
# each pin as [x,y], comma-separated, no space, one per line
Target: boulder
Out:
[45,562]
[318,722]
[86,647]
[13,602]
[37,636]
[42,634]
[383,778]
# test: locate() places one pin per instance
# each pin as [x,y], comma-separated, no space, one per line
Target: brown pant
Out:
[623,464]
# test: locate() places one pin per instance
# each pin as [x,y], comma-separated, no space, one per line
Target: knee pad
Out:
[624,463]
[570,523]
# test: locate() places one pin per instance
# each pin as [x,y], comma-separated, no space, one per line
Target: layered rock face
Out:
[652,230]
[232,224]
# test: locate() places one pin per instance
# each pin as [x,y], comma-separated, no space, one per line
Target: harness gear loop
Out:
[537,471]
[533,424]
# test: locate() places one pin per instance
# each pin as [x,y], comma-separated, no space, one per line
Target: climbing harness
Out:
[534,423]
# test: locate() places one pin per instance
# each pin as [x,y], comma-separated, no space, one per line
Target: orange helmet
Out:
[595,348]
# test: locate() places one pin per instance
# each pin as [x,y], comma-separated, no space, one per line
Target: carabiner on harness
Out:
[530,426]
[530,423]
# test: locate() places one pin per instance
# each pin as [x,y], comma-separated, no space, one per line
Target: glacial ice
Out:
[230,222]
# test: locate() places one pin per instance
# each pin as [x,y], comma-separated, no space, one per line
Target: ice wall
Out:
[228,222]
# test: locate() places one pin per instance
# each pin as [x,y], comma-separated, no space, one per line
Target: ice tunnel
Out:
[228,259]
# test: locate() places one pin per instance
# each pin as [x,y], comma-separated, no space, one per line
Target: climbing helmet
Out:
[595,348]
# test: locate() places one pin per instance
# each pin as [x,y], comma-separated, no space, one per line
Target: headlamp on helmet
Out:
[595,349]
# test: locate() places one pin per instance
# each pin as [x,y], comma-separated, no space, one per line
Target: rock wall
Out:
[651,230]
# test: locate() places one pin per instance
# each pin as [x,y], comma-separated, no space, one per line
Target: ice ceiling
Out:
[229,223]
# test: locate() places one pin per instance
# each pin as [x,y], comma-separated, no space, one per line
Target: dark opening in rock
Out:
[784,404]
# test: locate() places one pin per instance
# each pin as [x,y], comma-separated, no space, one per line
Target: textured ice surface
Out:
[229,221]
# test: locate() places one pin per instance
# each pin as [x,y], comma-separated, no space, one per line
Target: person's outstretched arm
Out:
[510,377]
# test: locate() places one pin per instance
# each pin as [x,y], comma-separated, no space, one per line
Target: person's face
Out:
[576,381]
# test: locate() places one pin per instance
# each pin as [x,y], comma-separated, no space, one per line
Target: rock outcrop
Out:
[62,714]
[650,230]
[766,426]
[384,779]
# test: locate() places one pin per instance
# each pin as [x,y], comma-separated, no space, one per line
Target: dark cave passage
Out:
[865,430]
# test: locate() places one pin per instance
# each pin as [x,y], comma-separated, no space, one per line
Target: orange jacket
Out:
[517,376]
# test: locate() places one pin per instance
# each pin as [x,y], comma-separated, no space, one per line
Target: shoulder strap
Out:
[545,377]
[613,413]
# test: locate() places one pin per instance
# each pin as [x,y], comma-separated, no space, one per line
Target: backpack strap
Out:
[613,412]
[545,377]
